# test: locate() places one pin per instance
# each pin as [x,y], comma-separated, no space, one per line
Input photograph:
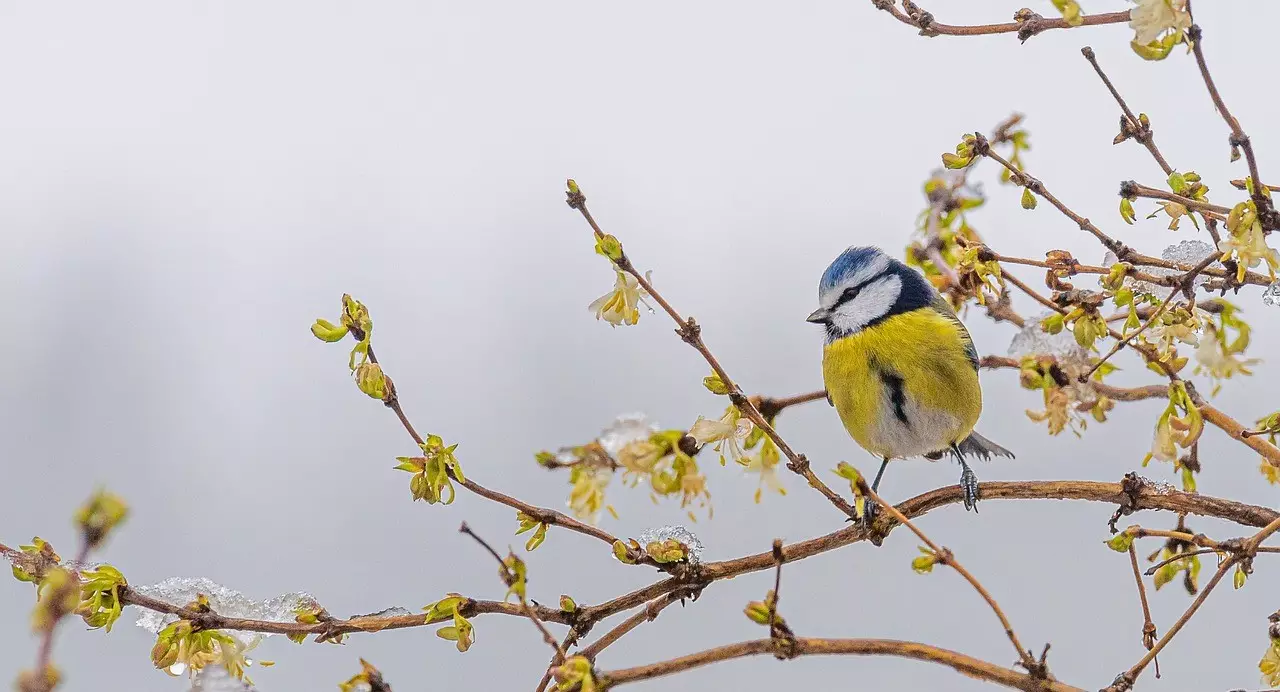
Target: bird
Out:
[899,366]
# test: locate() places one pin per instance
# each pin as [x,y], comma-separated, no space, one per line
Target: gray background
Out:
[185,186]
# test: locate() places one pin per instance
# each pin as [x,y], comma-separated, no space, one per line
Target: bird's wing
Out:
[942,307]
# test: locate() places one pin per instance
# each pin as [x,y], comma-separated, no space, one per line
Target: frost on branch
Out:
[625,429]
[223,601]
[1188,252]
[1032,340]
[662,534]
[1271,297]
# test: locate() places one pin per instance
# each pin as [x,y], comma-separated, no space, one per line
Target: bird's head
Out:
[863,286]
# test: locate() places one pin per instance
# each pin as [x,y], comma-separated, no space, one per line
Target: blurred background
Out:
[184,187]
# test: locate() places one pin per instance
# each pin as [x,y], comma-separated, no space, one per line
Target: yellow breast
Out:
[906,386]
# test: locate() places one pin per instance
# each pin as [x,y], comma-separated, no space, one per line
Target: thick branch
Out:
[966,665]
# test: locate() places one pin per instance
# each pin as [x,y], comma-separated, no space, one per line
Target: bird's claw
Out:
[969,485]
[869,512]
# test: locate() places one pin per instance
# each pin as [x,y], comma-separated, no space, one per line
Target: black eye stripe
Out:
[849,294]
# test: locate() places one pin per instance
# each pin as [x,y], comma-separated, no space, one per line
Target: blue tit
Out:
[899,366]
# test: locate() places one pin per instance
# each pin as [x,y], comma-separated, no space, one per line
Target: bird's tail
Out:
[981,447]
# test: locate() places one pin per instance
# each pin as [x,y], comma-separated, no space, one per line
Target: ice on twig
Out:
[1271,296]
[228,602]
[624,430]
[1186,252]
[679,533]
[1034,341]
[393,611]
[215,678]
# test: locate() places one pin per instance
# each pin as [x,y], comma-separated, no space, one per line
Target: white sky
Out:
[185,186]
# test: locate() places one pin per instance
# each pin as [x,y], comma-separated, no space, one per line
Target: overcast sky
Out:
[184,187]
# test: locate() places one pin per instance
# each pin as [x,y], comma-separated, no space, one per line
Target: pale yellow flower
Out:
[727,434]
[1150,19]
[1212,358]
[766,464]
[622,304]
[1249,245]
[1270,472]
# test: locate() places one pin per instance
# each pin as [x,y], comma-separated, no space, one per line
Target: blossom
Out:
[1270,472]
[766,464]
[1163,442]
[640,456]
[1248,243]
[1215,358]
[1152,18]
[621,305]
[728,433]
[586,494]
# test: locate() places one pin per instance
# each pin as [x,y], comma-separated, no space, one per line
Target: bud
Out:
[327,331]
[610,247]
[623,552]
[1028,199]
[371,381]
[567,604]
[757,612]
[924,564]
[1126,210]
[102,513]
[715,385]
[1121,542]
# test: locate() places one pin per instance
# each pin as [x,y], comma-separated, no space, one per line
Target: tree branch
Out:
[966,665]
[1027,26]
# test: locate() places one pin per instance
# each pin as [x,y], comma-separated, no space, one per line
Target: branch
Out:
[510,578]
[946,557]
[1026,26]
[1148,627]
[649,614]
[1132,126]
[966,665]
[1215,211]
[691,333]
[1133,495]
[543,515]
[1266,211]
[332,628]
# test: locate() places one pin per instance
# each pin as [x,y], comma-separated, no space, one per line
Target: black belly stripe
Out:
[897,395]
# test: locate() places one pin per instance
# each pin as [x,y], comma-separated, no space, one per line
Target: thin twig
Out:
[1238,137]
[509,578]
[1209,210]
[1136,129]
[1026,28]
[691,333]
[540,514]
[1148,627]
[648,614]
[1084,377]
[946,557]
[1156,567]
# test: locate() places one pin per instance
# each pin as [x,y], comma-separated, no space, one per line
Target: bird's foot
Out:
[870,510]
[969,485]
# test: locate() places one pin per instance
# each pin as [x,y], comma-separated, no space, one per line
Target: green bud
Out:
[757,612]
[1028,199]
[924,564]
[567,604]
[1126,210]
[955,162]
[371,381]
[327,331]
[623,552]
[1239,577]
[715,385]
[1121,542]
[100,515]
[610,247]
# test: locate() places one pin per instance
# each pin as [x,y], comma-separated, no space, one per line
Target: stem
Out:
[649,614]
[1148,627]
[1140,132]
[924,21]
[1125,341]
[509,578]
[946,557]
[541,514]
[966,665]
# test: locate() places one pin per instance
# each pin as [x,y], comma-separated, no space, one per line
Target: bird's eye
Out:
[849,294]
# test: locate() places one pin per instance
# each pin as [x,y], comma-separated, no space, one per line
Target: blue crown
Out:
[847,263]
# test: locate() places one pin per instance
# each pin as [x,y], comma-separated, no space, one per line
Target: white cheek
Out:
[873,302]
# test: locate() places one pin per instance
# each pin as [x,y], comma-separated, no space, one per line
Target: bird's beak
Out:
[819,316]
